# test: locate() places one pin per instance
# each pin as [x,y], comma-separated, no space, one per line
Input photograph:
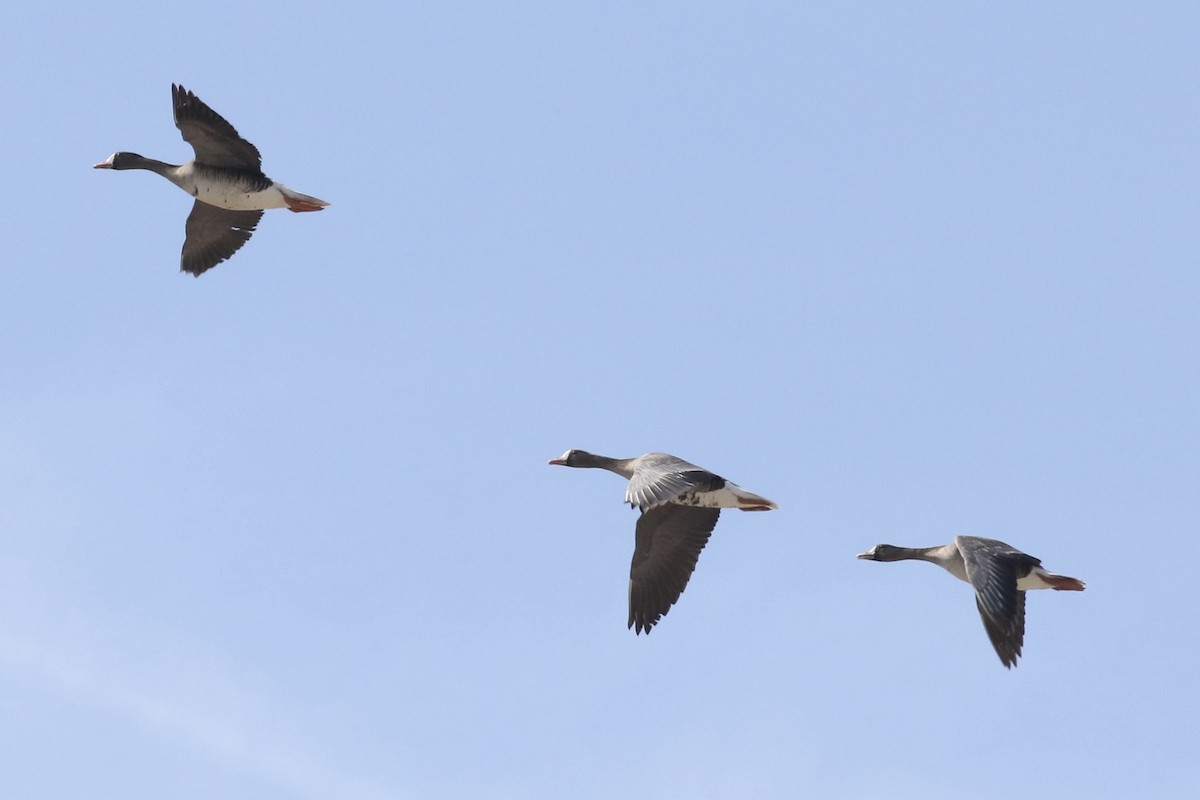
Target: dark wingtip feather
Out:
[1007,635]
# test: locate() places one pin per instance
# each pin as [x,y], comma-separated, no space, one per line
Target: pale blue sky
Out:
[910,269]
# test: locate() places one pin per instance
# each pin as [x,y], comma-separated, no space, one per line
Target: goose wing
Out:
[668,544]
[215,141]
[213,235]
[659,478]
[993,569]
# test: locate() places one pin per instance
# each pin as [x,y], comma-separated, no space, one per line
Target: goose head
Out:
[121,160]
[574,458]
[881,552]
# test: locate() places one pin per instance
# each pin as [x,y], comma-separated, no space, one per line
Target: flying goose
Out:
[226,179]
[1000,573]
[680,503]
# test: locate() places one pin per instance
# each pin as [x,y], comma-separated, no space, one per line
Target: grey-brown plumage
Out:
[667,545]
[680,504]
[995,569]
[213,235]
[225,178]
[1000,575]
[216,142]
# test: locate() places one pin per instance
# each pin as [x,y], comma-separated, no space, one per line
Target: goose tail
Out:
[300,202]
[1062,583]
[749,501]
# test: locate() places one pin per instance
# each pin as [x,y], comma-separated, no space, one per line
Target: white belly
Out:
[729,496]
[721,498]
[229,197]
[1033,581]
